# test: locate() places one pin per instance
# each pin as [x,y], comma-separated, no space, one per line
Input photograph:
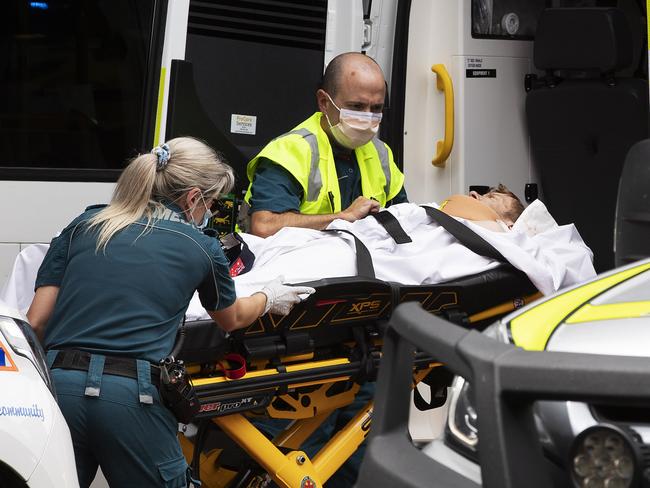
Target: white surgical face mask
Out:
[206,216]
[354,128]
[206,219]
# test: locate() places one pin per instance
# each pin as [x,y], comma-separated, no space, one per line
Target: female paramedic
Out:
[112,291]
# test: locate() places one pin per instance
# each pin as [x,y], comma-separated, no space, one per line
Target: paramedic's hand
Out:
[281,298]
[360,208]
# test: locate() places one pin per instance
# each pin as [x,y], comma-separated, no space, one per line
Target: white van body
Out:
[35,439]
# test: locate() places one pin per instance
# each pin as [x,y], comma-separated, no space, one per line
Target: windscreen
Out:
[72,78]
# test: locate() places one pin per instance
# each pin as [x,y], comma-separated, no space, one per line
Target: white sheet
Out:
[18,290]
[552,259]
[535,219]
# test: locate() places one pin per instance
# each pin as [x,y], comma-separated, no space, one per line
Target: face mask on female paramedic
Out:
[206,216]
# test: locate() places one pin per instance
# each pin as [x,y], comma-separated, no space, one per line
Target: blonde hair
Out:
[145,183]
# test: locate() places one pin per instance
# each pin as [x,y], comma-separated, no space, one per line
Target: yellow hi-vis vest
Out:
[306,153]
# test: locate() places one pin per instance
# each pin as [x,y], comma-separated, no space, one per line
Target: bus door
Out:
[244,73]
[464,121]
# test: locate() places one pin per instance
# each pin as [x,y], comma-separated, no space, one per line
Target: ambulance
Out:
[36,449]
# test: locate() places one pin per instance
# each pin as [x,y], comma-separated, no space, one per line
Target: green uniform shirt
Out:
[276,190]
[129,300]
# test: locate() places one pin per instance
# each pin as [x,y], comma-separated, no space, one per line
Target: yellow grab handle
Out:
[443,148]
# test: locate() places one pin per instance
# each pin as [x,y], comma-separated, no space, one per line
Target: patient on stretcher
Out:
[496,210]
[552,256]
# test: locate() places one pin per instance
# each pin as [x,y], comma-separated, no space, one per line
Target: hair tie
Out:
[162,153]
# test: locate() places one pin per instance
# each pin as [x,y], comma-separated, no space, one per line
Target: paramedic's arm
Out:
[265,223]
[275,297]
[275,202]
[240,314]
[49,278]
[41,308]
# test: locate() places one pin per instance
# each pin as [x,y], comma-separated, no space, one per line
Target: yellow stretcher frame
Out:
[292,469]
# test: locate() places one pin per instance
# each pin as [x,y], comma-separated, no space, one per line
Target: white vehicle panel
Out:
[57,466]
[491,142]
[27,415]
[620,337]
[35,211]
[344,28]
[35,439]
[382,35]
[176,36]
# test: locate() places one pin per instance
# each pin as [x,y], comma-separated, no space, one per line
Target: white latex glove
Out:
[281,298]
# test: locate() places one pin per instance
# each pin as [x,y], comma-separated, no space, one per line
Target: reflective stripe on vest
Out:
[315,182]
[383,157]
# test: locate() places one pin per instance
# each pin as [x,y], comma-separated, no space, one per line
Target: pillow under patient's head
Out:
[534,220]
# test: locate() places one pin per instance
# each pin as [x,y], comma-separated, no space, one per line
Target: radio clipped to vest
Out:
[176,391]
[240,257]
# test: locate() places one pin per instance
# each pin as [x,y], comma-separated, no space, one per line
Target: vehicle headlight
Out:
[462,419]
[603,456]
[23,341]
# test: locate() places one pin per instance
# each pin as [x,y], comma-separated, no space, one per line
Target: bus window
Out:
[505,19]
[256,69]
[72,78]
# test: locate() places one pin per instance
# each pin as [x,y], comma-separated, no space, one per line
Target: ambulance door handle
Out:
[444,84]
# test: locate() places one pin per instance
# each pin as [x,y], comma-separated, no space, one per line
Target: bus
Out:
[87,85]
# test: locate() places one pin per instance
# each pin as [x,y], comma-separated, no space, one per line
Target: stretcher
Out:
[303,366]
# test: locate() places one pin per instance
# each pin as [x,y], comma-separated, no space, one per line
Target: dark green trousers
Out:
[134,443]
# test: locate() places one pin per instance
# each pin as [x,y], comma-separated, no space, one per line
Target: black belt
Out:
[466,236]
[365,267]
[80,360]
[389,222]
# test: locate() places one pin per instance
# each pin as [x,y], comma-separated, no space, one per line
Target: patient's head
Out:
[505,203]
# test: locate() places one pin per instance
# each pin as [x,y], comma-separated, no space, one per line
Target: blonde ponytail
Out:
[145,183]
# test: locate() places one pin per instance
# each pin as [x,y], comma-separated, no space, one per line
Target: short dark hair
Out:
[516,208]
[332,75]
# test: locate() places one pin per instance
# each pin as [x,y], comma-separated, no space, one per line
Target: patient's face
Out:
[498,202]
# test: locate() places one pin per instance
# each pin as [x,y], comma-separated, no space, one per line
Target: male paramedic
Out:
[332,165]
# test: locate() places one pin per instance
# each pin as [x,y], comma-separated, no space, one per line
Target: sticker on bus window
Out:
[243,124]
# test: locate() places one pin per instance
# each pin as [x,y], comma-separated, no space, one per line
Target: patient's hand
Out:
[360,208]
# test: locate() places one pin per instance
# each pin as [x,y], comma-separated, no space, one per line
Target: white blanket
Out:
[554,258]
[18,291]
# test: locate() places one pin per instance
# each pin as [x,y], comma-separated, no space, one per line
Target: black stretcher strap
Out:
[389,222]
[365,267]
[464,234]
